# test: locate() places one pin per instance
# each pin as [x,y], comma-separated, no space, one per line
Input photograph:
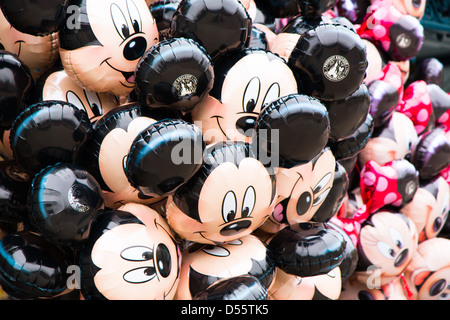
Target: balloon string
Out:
[406,287]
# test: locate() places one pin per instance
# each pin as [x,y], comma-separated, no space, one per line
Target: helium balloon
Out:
[353,10]
[347,115]
[430,70]
[162,11]
[64,199]
[32,267]
[38,18]
[279,8]
[238,288]
[307,249]
[302,126]
[15,83]
[431,154]
[329,61]
[102,47]
[175,73]
[47,133]
[217,25]
[384,100]
[164,156]
[131,254]
[440,102]
[313,9]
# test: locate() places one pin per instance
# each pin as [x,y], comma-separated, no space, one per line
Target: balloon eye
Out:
[249,202]
[120,22]
[229,206]
[251,95]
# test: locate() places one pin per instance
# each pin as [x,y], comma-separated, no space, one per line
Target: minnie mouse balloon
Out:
[176,73]
[47,133]
[38,18]
[217,25]
[64,199]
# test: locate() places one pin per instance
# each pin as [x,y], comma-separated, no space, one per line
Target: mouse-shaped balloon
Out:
[428,273]
[204,265]
[230,196]
[131,254]
[102,52]
[429,208]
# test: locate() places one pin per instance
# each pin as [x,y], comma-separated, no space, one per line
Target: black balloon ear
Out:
[32,267]
[64,199]
[431,154]
[162,11]
[384,100]
[35,17]
[16,82]
[164,156]
[329,62]
[176,72]
[312,9]
[245,287]
[350,146]
[217,25]
[291,131]
[279,8]
[47,133]
[347,115]
[431,71]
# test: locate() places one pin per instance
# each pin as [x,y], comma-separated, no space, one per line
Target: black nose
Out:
[235,227]
[246,124]
[401,258]
[135,48]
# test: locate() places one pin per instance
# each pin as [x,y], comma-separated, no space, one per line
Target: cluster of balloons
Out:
[221,150]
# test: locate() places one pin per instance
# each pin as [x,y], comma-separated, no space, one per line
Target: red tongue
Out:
[131,79]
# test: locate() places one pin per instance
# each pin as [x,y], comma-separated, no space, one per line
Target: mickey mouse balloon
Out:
[102,53]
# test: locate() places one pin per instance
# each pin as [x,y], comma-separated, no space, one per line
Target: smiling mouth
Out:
[129,76]
[220,127]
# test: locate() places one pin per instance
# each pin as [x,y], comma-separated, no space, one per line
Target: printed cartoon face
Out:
[415,8]
[137,261]
[301,190]
[240,91]
[103,53]
[321,287]
[59,86]
[202,267]
[388,241]
[222,205]
[428,274]
[391,142]
[38,53]
[112,158]
[429,208]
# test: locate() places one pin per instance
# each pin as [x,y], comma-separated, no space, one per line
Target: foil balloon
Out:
[105,152]
[230,196]
[429,208]
[47,133]
[431,154]
[353,10]
[295,116]
[63,200]
[239,288]
[279,8]
[35,18]
[428,273]
[351,146]
[39,53]
[392,141]
[131,254]
[162,11]
[440,102]
[417,105]
[31,267]
[329,62]
[177,73]
[347,115]
[15,83]
[398,35]
[101,51]
[159,161]
[245,82]
[207,265]
[307,249]
[430,70]
[386,244]
[313,9]
[218,26]
[57,85]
